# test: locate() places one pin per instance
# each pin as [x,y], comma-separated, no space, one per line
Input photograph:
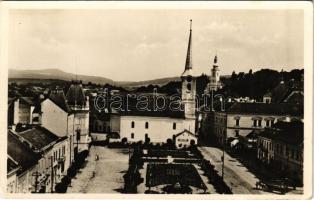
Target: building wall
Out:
[11,183]
[289,158]
[25,181]
[54,118]
[24,113]
[81,122]
[246,123]
[265,149]
[115,123]
[184,140]
[159,130]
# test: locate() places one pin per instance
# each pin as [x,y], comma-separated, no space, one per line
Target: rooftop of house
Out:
[267,109]
[21,152]
[283,90]
[59,99]
[287,132]
[11,165]
[132,105]
[39,137]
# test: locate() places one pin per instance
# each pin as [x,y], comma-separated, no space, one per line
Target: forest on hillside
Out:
[253,85]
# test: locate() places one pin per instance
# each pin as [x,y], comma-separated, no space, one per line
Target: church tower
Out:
[214,80]
[188,91]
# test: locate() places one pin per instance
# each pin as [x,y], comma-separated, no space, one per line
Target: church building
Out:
[157,126]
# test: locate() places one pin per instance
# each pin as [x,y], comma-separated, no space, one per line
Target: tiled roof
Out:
[130,107]
[287,132]
[185,131]
[263,108]
[11,165]
[59,99]
[21,152]
[39,137]
[283,90]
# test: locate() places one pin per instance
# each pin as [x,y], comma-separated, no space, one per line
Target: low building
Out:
[286,92]
[282,146]
[185,139]
[242,118]
[54,151]
[23,110]
[27,160]
[12,169]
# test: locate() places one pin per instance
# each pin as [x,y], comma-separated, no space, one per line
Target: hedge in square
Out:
[185,174]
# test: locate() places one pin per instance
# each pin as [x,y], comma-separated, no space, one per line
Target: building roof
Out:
[280,93]
[28,100]
[287,132]
[267,109]
[39,137]
[21,152]
[76,95]
[185,131]
[11,165]
[133,105]
[59,99]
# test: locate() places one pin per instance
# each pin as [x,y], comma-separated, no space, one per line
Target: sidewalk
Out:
[236,175]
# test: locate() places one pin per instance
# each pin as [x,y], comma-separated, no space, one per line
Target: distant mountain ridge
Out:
[65,76]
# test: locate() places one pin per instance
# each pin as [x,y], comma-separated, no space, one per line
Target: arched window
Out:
[174,126]
[132,124]
[132,135]
[146,125]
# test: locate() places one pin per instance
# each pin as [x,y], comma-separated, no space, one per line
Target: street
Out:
[109,171]
[236,175]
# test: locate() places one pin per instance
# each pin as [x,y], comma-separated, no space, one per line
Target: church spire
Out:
[188,62]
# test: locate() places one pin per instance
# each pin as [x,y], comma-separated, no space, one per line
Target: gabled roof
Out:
[185,131]
[284,89]
[21,152]
[59,99]
[263,108]
[39,137]
[11,165]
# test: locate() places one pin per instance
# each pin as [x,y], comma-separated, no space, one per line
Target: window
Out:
[259,123]
[146,125]
[132,135]
[237,122]
[267,123]
[254,122]
[146,136]
[174,126]
[236,133]
[132,124]
[287,151]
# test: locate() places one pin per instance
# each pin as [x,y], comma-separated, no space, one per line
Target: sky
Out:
[134,45]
